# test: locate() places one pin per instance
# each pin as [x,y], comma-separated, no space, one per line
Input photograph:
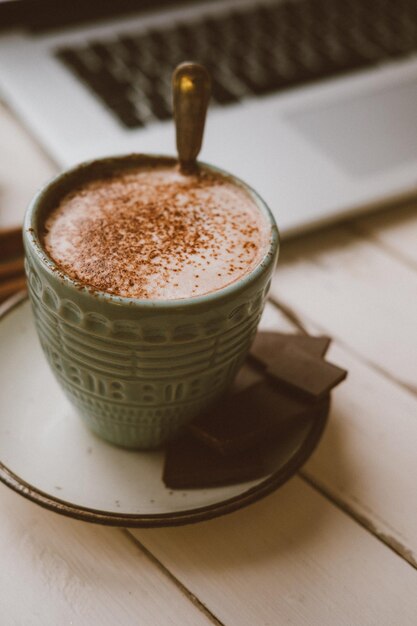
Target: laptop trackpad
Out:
[367,133]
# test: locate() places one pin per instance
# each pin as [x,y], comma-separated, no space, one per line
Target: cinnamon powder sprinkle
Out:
[143,232]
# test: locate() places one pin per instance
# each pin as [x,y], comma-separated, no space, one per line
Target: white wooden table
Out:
[337,545]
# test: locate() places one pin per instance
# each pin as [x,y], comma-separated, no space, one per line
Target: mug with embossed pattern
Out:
[137,370]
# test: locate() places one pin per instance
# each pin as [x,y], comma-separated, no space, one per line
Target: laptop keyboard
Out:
[249,52]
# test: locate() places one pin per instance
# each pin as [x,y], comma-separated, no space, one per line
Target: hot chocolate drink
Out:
[128,264]
[148,231]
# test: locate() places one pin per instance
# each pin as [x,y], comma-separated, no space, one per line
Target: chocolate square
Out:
[244,419]
[268,345]
[191,464]
[312,376]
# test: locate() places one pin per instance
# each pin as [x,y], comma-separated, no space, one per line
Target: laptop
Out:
[314,102]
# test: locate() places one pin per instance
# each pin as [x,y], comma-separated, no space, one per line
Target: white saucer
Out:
[49,456]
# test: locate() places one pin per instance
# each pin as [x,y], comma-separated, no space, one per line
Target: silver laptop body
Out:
[317,149]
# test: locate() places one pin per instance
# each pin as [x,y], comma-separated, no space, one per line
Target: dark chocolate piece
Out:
[309,375]
[257,428]
[242,420]
[268,345]
[189,464]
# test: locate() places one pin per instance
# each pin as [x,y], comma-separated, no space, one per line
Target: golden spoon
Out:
[191,87]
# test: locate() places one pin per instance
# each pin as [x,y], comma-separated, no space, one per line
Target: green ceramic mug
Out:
[137,370]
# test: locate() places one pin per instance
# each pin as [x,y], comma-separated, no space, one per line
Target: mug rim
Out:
[33,239]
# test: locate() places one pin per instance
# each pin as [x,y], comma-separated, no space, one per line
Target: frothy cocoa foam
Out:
[153,233]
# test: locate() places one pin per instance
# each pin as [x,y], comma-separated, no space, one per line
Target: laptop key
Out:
[128,116]
[222,94]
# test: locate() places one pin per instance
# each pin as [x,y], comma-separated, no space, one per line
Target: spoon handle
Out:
[191,86]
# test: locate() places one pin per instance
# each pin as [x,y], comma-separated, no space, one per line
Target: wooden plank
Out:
[350,288]
[292,558]
[366,460]
[395,229]
[368,457]
[55,570]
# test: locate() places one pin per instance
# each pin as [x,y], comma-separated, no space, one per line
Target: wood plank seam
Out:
[362,520]
[164,570]
[390,542]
